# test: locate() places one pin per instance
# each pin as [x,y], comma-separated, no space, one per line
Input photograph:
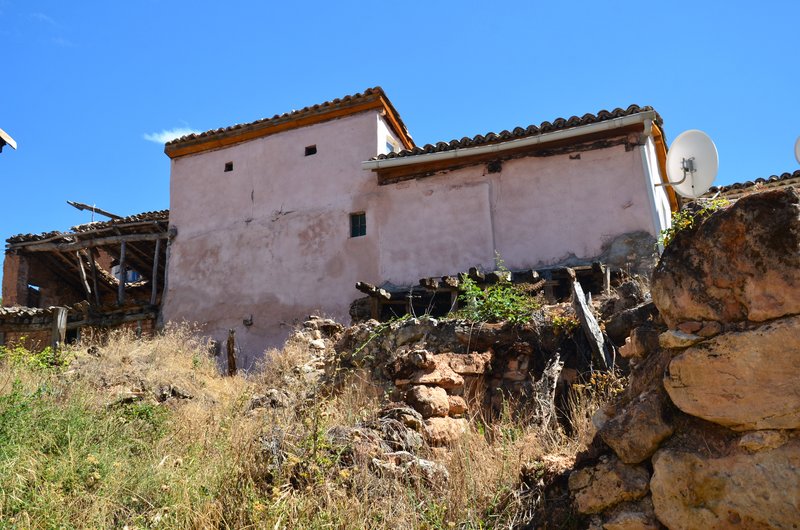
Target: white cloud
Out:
[64,43]
[44,18]
[168,134]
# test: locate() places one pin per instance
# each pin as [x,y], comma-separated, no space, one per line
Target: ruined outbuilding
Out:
[98,275]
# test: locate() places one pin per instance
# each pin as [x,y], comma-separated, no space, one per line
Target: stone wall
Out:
[451,370]
[707,435]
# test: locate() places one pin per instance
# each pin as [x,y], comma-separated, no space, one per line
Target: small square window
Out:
[311,150]
[358,224]
[228,166]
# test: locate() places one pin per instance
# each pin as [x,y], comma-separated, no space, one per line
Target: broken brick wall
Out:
[15,280]
[31,340]
[54,290]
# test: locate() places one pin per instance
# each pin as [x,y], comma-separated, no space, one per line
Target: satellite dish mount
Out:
[692,164]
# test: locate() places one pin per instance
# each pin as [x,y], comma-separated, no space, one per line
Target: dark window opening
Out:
[358,224]
[34,296]
[228,166]
[311,150]
[72,336]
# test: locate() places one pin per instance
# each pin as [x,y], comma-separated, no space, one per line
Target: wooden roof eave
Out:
[82,240]
[253,131]
[144,228]
[426,168]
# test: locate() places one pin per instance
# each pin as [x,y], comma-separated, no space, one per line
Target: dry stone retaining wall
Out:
[713,407]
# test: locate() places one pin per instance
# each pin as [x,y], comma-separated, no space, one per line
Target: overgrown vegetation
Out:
[501,301]
[18,354]
[91,445]
[689,217]
[564,320]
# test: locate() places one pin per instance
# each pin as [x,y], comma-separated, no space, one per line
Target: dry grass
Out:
[74,453]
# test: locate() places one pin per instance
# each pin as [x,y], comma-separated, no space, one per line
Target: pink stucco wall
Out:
[271,238]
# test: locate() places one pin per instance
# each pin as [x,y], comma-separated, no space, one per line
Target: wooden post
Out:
[453,299]
[166,270]
[122,275]
[154,275]
[84,280]
[59,327]
[231,352]
[93,265]
[602,353]
[374,308]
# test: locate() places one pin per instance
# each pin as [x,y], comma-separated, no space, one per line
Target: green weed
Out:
[686,219]
[499,302]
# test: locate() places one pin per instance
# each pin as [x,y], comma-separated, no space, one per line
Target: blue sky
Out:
[86,86]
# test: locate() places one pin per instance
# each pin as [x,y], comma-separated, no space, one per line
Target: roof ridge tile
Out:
[520,132]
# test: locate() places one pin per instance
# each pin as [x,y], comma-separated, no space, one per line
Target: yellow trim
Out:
[396,124]
[661,156]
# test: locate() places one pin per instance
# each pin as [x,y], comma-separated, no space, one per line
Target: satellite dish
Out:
[5,139]
[797,149]
[692,163]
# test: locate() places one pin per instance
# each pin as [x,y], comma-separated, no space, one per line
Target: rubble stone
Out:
[763,440]
[636,432]
[429,401]
[638,515]
[690,326]
[607,484]
[676,339]
[441,432]
[642,341]
[458,405]
[620,325]
[404,465]
[469,364]
[710,329]
[757,490]
[404,414]
[442,375]
[317,344]
[743,380]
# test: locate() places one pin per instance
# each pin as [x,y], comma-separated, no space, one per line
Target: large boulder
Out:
[741,263]
[743,380]
[760,490]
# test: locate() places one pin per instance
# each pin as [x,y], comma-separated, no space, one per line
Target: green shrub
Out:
[500,302]
[565,324]
[19,355]
[687,218]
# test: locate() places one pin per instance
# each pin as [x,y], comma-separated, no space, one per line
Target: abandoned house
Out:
[281,217]
[273,220]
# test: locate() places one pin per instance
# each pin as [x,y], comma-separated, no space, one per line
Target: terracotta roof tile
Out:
[320,108]
[784,179]
[519,132]
[157,216]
